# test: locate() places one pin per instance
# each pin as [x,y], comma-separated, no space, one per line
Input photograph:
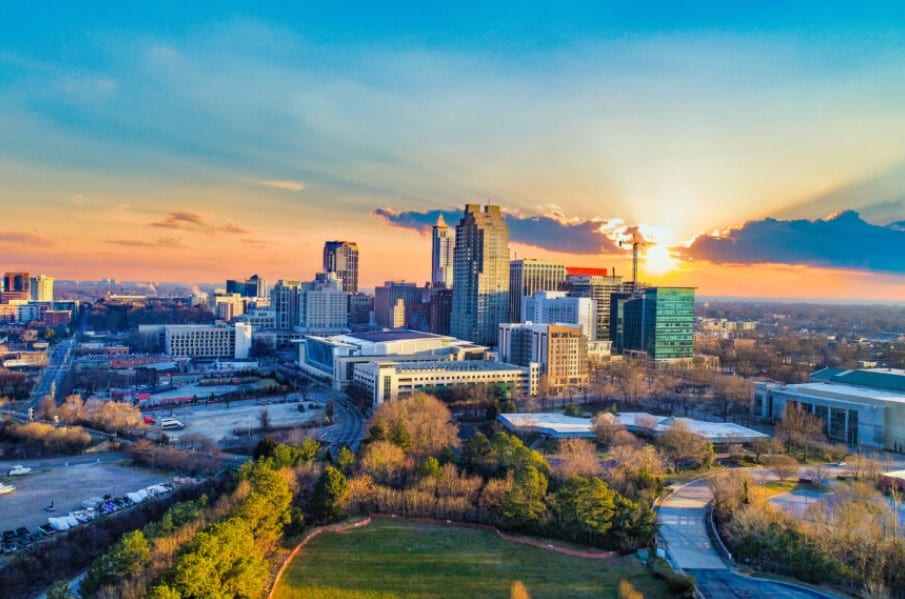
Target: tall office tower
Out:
[442,254]
[284,301]
[658,321]
[41,288]
[16,286]
[480,300]
[360,308]
[253,286]
[341,258]
[595,284]
[528,276]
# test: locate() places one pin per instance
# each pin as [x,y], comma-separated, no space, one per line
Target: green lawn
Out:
[404,559]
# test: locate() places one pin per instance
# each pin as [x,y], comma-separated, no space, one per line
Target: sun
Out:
[658,260]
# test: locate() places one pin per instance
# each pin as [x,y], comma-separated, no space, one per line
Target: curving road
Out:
[683,528]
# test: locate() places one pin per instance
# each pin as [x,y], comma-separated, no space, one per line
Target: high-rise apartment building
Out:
[557,307]
[560,349]
[440,310]
[41,288]
[480,300]
[341,258]
[528,276]
[442,247]
[658,321]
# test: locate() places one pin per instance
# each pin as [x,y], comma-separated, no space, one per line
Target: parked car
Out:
[18,471]
[149,420]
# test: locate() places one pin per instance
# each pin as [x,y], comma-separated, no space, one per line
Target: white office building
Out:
[386,381]
[201,340]
[555,306]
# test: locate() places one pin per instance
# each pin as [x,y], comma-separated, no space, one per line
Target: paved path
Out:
[683,527]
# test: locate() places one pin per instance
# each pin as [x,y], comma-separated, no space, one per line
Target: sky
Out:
[758,149]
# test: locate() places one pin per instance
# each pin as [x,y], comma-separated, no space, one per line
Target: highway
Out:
[52,376]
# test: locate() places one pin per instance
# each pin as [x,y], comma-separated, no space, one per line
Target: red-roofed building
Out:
[585,271]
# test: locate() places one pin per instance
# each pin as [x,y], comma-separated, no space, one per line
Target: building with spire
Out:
[341,258]
[442,254]
[480,298]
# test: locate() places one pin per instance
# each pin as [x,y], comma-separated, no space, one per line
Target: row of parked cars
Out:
[92,508]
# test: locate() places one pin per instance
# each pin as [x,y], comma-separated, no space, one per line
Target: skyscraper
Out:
[597,285]
[480,300]
[254,286]
[528,276]
[442,254]
[341,258]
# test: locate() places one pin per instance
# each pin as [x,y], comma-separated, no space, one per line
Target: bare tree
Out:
[605,427]
[800,427]
[264,419]
[578,456]
[783,466]
[679,444]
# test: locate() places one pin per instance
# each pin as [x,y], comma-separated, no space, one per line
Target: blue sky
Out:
[682,118]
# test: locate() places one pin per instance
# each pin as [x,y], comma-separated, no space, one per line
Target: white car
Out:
[19,470]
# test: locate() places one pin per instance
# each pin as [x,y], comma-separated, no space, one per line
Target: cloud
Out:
[231,228]
[19,238]
[842,240]
[284,184]
[161,243]
[182,221]
[554,233]
[190,221]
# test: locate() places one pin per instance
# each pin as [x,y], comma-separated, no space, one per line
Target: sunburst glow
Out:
[658,260]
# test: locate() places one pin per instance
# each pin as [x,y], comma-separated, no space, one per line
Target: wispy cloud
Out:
[182,221]
[284,184]
[842,240]
[192,222]
[32,238]
[161,243]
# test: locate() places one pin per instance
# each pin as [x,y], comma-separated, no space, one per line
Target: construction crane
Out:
[636,243]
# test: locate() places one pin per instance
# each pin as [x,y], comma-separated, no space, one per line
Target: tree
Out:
[126,558]
[584,508]
[330,494]
[345,460]
[264,448]
[679,445]
[430,468]
[264,419]
[518,590]
[383,460]
[628,591]
[605,427]
[524,505]
[423,418]
[731,391]
[578,457]
[800,427]
[47,408]
[60,590]
[784,466]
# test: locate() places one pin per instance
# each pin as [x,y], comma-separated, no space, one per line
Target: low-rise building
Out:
[389,380]
[200,340]
[333,358]
[858,407]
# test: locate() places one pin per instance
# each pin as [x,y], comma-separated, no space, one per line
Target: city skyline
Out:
[160,143]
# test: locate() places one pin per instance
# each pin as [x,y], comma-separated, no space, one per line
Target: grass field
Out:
[403,559]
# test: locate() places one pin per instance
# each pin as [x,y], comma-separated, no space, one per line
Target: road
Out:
[349,426]
[683,528]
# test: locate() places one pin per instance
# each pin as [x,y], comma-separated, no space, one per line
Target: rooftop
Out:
[400,335]
[561,426]
[886,379]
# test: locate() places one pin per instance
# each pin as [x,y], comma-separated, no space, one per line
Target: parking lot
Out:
[66,486]
[218,422]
